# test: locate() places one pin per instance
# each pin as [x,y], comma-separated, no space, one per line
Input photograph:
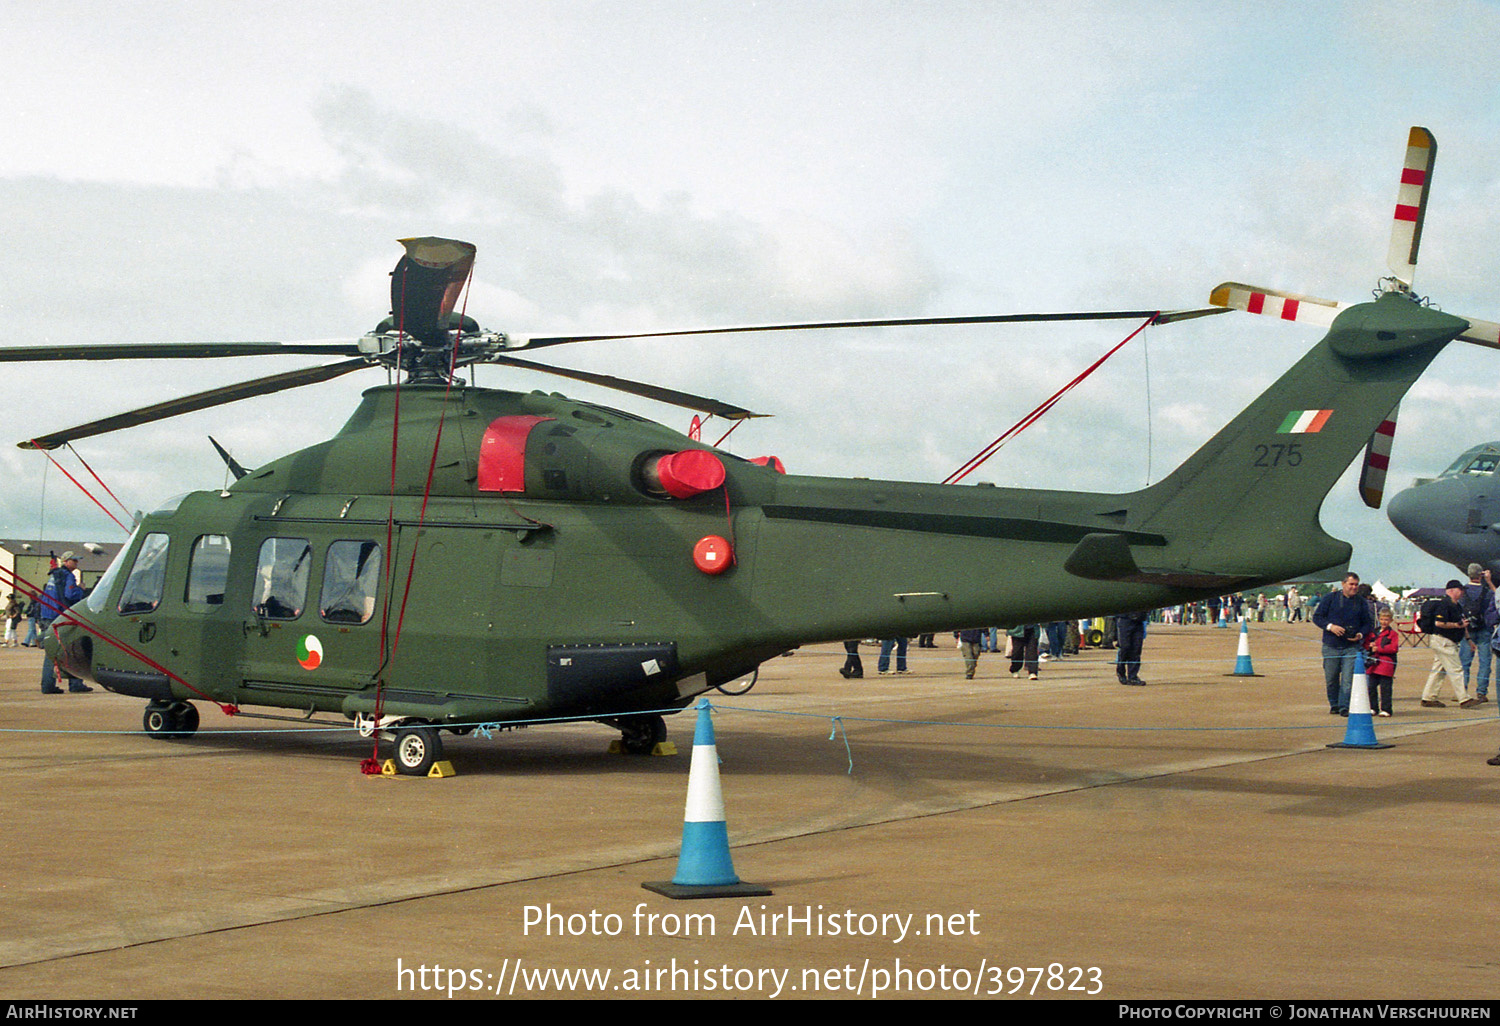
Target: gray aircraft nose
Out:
[1434,517]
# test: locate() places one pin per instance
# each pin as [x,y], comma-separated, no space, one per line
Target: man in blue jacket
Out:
[61,591]
[1346,619]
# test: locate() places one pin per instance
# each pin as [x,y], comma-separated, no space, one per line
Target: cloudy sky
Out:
[235,171]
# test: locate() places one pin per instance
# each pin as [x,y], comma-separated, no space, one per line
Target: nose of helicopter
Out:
[71,650]
[1433,516]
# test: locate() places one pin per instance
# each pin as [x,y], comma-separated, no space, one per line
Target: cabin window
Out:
[148,575]
[281,578]
[351,577]
[208,569]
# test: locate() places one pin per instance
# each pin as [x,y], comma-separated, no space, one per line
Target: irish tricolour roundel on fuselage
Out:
[310,652]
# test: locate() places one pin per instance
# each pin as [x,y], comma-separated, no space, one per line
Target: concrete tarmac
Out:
[924,836]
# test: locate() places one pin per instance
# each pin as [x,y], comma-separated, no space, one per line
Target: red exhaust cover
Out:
[689,473]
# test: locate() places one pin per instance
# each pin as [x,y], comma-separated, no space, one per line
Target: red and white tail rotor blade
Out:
[1411,204]
[1287,306]
[1377,461]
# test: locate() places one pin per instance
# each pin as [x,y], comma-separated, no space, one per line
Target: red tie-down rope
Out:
[1025,422]
[431,469]
[79,457]
[371,766]
[81,488]
[69,616]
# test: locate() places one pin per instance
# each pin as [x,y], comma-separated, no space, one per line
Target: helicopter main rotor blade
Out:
[657,392]
[1026,318]
[199,401]
[175,350]
[426,284]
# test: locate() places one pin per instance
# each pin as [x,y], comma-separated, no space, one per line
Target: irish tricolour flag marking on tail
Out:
[1304,422]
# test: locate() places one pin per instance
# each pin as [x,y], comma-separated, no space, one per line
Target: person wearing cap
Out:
[1479,604]
[1448,631]
[60,592]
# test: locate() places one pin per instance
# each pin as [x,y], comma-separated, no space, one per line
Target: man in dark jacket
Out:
[1346,621]
[1479,607]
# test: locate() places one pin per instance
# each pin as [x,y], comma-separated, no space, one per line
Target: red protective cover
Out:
[502,453]
[690,472]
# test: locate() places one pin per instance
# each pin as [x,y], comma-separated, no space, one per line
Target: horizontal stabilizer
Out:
[1106,556]
[1102,557]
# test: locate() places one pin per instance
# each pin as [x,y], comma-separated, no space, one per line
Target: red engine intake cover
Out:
[502,453]
[689,473]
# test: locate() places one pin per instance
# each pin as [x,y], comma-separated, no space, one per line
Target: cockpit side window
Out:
[351,578]
[281,578]
[1482,464]
[208,569]
[148,575]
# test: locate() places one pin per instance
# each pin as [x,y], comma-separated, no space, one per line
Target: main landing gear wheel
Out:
[170,720]
[418,747]
[639,735]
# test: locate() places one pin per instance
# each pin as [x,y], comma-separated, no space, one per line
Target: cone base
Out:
[1237,673]
[1349,744]
[734,890]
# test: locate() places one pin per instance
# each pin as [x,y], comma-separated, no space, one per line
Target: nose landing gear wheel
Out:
[170,720]
[417,748]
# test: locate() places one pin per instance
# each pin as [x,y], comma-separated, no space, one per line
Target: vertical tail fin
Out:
[1249,498]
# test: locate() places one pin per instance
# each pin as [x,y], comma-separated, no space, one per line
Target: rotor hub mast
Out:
[433,361]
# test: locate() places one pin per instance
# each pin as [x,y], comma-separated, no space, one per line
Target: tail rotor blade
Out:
[1288,306]
[1481,333]
[1411,204]
[1377,460]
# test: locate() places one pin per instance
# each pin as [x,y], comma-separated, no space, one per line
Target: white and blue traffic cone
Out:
[1360,733]
[1242,664]
[704,867]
